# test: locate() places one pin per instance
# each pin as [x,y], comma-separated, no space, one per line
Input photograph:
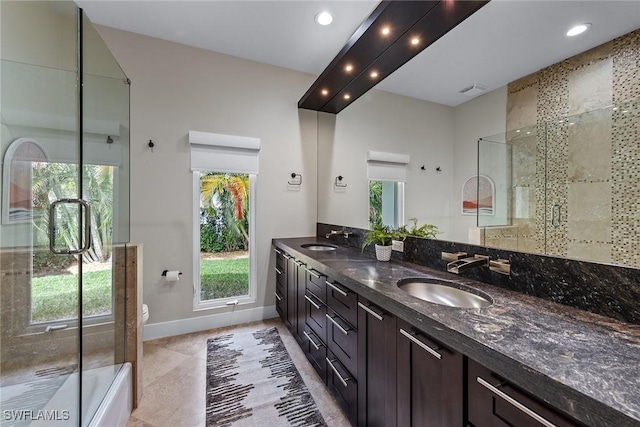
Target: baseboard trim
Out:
[202,323]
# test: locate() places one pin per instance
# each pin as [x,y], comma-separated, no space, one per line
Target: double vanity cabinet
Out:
[383,366]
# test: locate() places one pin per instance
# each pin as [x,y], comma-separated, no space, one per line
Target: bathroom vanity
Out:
[391,358]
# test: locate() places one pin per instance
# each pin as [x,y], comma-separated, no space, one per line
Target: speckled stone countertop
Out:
[585,365]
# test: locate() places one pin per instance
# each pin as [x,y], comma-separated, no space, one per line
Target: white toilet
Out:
[145,313]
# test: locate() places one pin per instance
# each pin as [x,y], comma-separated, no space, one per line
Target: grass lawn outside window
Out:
[224,278]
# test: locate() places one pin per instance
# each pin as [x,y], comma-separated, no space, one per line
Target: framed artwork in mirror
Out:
[17,180]
[478,196]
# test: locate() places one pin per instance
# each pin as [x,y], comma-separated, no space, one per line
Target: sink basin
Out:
[319,247]
[445,293]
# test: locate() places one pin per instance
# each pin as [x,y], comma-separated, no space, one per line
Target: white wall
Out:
[479,117]
[382,121]
[175,89]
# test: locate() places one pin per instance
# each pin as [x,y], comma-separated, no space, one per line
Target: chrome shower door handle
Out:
[86,244]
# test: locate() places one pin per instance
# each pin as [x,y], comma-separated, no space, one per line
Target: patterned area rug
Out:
[252,381]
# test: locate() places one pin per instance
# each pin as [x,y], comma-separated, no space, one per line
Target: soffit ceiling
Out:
[503,41]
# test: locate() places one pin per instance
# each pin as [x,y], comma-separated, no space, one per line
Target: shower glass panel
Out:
[64,139]
[572,186]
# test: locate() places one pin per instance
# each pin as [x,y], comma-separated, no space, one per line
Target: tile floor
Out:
[174,371]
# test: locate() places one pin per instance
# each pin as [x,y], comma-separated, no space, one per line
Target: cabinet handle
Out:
[421,344]
[371,312]
[286,256]
[278,271]
[333,368]
[317,307]
[515,403]
[299,263]
[343,330]
[311,272]
[337,289]
[278,297]
[277,251]
[316,346]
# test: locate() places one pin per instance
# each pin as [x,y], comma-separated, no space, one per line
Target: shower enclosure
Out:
[567,187]
[64,139]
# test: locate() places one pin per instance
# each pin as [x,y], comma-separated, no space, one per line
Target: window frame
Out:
[251,298]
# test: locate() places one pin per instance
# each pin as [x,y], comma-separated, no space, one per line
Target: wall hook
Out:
[293,179]
[423,168]
[151,144]
[438,169]
[109,139]
[339,183]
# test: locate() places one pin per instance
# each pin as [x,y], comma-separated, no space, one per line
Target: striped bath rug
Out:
[252,381]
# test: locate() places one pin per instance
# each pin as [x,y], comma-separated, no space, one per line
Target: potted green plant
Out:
[427,231]
[381,236]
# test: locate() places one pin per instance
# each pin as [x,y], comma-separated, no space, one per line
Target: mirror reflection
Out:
[562,159]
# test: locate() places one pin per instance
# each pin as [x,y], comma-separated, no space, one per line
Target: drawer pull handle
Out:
[299,263]
[421,344]
[343,330]
[316,346]
[277,251]
[286,256]
[337,289]
[311,272]
[277,270]
[316,306]
[333,368]
[371,312]
[278,297]
[515,403]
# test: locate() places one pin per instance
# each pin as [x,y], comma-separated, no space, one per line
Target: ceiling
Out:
[503,41]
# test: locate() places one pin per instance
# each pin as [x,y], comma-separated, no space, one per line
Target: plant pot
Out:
[383,253]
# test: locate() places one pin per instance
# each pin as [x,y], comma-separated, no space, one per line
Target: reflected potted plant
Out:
[381,235]
[427,231]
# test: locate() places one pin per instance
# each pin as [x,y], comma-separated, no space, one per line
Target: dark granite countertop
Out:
[585,365]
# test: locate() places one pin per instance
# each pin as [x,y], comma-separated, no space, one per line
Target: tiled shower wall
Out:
[589,170]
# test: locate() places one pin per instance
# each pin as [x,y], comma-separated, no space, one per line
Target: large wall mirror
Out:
[555,144]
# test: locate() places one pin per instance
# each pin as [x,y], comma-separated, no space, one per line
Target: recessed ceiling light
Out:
[324,18]
[386,31]
[415,41]
[578,29]
[348,68]
[347,96]
[374,74]
[324,92]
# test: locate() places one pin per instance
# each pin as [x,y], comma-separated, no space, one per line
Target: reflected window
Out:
[386,203]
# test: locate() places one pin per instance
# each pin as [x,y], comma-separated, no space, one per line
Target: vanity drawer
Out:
[343,386]
[316,315]
[316,352]
[316,284]
[342,340]
[281,305]
[343,301]
[281,277]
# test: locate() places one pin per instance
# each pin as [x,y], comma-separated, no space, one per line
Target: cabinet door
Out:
[292,302]
[301,279]
[494,402]
[343,387]
[430,381]
[376,366]
[342,340]
[316,315]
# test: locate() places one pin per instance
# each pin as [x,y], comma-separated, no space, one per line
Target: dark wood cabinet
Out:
[342,340]
[494,402]
[291,301]
[376,366]
[281,284]
[430,381]
[343,386]
[300,317]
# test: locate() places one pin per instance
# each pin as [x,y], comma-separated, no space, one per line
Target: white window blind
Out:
[223,153]
[383,166]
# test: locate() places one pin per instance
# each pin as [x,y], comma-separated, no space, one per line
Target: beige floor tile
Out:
[175,379]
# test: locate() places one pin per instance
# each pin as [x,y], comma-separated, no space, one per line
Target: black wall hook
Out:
[339,183]
[151,144]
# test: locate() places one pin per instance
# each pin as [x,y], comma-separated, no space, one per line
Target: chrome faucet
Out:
[464,264]
[342,232]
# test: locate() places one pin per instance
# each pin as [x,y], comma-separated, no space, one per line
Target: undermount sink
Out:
[445,293]
[319,247]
